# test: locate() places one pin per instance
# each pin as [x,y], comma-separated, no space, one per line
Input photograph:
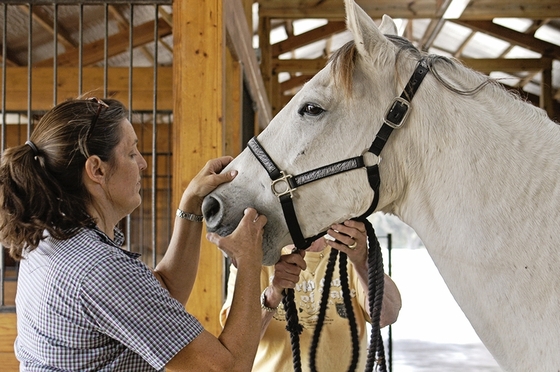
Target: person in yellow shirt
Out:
[304,271]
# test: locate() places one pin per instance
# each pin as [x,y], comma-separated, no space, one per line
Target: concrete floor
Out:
[418,356]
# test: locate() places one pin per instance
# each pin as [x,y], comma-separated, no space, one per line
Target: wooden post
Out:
[546,100]
[234,87]
[198,77]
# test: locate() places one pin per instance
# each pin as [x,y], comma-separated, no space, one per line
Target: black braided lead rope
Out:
[293,326]
[381,366]
[376,284]
[343,270]
[322,310]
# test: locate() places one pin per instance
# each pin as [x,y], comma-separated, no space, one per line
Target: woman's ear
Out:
[95,169]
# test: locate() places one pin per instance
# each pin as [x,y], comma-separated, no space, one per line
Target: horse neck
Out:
[467,155]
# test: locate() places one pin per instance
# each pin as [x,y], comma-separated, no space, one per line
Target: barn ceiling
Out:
[517,41]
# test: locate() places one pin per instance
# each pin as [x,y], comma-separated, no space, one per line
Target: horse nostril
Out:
[211,209]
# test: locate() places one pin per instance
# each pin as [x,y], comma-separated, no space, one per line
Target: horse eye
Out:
[310,109]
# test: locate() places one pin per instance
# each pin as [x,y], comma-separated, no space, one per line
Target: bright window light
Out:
[455,9]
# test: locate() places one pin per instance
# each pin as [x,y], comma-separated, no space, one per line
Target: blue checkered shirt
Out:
[85,304]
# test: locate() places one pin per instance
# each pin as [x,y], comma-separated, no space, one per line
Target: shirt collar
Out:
[117,242]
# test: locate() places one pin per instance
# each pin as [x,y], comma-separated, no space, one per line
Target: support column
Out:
[198,79]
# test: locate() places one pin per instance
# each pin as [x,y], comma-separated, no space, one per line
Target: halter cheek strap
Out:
[283,184]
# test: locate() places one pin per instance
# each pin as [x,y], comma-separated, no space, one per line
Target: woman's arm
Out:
[178,269]
[235,348]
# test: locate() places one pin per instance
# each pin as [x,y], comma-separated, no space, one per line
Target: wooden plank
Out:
[198,75]
[266,54]
[240,42]
[234,89]
[305,66]
[117,44]
[487,65]
[319,33]
[476,10]
[312,66]
[294,82]
[511,36]
[8,331]
[67,81]
[546,100]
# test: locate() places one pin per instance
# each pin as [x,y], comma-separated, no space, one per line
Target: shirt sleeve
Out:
[124,300]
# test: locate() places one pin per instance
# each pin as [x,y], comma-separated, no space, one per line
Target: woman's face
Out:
[124,182]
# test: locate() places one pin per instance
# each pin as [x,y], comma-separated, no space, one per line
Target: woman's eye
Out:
[310,109]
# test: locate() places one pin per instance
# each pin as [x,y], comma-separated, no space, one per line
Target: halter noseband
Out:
[284,184]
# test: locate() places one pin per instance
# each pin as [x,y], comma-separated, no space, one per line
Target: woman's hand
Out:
[286,275]
[207,179]
[351,239]
[245,242]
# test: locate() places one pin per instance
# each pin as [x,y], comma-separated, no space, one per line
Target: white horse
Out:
[475,175]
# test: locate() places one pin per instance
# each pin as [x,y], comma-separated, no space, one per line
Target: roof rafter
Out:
[118,43]
[527,41]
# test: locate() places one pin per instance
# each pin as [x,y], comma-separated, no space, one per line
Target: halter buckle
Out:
[397,113]
[277,185]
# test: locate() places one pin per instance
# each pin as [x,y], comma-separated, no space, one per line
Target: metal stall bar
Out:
[106,52]
[55,52]
[29,69]
[3,144]
[130,76]
[154,142]
[80,49]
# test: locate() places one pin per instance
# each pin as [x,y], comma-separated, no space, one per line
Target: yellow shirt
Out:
[335,345]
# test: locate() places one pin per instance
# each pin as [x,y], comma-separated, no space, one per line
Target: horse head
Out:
[333,117]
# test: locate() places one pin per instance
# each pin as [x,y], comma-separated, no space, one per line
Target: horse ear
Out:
[388,26]
[367,36]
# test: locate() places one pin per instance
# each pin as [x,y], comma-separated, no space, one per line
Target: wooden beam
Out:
[124,25]
[434,27]
[198,134]
[240,42]
[546,88]
[118,43]
[41,17]
[487,65]
[8,333]
[305,66]
[294,82]
[234,115]
[67,80]
[476,10]
[511,36]
[319,33]
[265,48]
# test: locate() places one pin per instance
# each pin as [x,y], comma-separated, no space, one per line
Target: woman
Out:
[85,304]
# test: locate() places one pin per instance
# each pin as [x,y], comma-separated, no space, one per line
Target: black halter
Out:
[284,184]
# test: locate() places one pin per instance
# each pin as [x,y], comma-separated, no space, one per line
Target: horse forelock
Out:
[343,62]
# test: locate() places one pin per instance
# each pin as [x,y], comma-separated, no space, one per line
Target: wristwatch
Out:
[263,301]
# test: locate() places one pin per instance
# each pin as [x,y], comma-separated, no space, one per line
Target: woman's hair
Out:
[41,188]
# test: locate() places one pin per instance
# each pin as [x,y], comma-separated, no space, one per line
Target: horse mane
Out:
[343,63]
